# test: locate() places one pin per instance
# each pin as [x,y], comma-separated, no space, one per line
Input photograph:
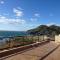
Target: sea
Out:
[12,33]
[6,34]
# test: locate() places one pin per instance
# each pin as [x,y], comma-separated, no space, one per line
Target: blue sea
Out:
[12,33]
[6,34]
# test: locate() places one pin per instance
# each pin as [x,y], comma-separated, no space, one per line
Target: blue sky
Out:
[22,15]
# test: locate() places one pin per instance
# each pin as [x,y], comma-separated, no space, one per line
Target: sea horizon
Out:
[12,33]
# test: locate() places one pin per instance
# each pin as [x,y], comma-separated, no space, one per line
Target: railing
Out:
[20,41]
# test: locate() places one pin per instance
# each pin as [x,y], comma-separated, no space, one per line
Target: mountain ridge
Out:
[44,29]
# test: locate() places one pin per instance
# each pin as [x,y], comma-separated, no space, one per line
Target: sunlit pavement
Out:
[36,53]
[54,56]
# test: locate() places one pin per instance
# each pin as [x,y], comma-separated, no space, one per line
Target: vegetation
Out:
[44,29]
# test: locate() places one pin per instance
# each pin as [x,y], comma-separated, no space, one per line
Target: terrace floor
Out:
[39,53]
[54,56]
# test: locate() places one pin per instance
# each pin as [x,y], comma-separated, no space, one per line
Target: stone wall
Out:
[57,38]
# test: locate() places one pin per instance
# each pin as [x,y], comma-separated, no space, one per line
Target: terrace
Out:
[28,48]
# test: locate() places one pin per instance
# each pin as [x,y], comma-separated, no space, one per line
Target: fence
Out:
[21,40]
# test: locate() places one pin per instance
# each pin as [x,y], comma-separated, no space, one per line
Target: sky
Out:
[22,15]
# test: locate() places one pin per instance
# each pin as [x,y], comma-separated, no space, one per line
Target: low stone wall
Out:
[18,49]
[57,38]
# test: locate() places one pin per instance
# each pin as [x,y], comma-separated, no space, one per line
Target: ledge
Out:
[18,49]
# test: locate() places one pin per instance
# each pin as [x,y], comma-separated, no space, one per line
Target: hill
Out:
[44,29]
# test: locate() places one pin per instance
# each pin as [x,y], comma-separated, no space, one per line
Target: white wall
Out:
[57,38]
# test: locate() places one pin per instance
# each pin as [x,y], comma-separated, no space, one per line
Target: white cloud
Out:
[49,24]
[37,15]
[18,12]
[4,20]
[1,2]
[33,19]
[20,8]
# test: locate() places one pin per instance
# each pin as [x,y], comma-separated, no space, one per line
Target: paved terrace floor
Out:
[54,56]
[36,53]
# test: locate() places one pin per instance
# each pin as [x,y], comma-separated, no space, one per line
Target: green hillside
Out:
[44,29]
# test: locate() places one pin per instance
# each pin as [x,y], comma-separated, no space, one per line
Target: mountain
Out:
[44,29]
